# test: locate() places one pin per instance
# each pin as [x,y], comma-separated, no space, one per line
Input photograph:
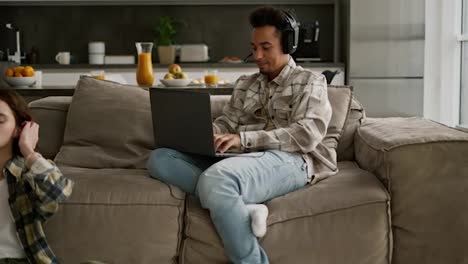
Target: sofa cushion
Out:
[342,219]
[217,104]
[117,216]
[51,114]
[119,187]
[108,126]
[340,98]
[345,150]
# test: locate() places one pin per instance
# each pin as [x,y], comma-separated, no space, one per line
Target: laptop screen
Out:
[182,120]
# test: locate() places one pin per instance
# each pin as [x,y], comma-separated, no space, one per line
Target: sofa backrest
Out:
[51,114]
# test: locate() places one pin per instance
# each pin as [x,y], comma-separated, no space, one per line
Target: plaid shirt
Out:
[297,104]
[33,197]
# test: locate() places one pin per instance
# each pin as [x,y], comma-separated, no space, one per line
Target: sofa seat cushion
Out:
[342,219]
[119,186]
[117,216]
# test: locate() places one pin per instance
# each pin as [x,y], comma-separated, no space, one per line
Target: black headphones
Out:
[290,34]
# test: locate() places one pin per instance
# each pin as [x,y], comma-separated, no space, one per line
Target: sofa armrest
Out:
[424,166]
[51,115]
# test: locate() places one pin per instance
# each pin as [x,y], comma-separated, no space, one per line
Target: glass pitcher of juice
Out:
[145,73]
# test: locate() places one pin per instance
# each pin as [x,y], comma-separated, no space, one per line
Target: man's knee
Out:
[159,161]
[207,192]
[216,185]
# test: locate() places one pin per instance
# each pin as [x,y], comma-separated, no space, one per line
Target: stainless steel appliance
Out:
[308,48]
[194,53]
[386,55]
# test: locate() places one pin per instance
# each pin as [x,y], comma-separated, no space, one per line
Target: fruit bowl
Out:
[20,81]
[175,82]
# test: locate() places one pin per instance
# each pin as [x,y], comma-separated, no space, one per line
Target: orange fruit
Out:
[9,73]
[18,69]
[17,74]
[28,71]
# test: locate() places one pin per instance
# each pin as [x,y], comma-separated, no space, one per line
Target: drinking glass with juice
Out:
[145,73]
[211,78]
[98,75]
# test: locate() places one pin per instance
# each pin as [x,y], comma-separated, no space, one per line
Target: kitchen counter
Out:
[53,75]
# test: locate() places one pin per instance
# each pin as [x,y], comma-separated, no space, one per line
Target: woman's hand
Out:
[28,138]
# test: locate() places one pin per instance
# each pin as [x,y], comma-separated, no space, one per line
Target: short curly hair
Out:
[268,16]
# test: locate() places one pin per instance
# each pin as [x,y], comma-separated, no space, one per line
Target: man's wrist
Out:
[243,142]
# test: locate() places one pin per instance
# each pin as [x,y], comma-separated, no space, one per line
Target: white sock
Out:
[258,217]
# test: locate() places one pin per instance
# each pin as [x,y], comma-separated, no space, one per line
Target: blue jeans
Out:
[225,186]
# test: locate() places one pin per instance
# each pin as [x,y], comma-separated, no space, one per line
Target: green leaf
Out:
[165,31]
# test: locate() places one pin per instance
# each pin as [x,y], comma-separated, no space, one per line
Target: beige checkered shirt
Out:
[296,102]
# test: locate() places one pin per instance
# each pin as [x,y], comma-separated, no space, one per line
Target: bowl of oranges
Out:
[20,76]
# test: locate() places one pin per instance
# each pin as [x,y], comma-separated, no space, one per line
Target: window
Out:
[464,67]
[443,61]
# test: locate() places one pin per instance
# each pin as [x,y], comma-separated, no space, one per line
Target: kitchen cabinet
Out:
[217,24]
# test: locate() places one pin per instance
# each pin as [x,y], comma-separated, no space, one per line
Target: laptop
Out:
[182,121]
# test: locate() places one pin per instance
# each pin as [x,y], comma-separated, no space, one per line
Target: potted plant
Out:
[165,31]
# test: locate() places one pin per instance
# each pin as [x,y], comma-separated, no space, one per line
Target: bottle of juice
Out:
[145,73]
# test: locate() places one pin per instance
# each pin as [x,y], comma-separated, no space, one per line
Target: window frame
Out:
[462,38]
[442,61]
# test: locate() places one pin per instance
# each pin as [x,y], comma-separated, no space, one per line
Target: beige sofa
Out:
[400,197]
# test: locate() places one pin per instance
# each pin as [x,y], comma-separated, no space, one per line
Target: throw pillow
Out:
[108,126]
[345,148]
[340,99]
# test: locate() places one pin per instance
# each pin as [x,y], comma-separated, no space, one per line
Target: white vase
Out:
[166,54]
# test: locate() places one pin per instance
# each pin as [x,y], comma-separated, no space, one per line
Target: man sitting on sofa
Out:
[282,111]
